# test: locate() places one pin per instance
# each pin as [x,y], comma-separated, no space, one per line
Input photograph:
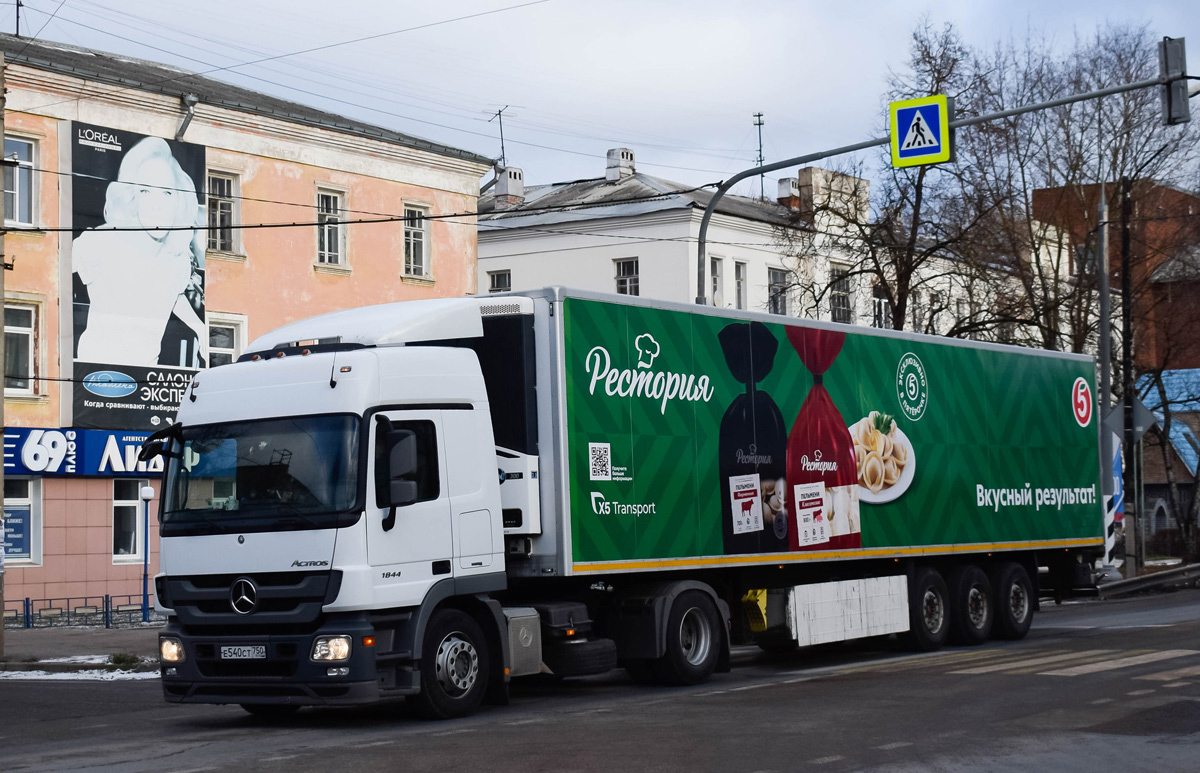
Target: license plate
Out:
[252,652]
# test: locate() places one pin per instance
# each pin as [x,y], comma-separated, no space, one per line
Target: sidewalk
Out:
[46,649]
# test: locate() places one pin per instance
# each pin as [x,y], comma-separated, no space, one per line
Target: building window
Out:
[839,295]
[627,276]
[20,348]
[739,285]
[18,181]
[416,247]
[127,520]
[22,538]
[221,209]
[881,307]
[718,281]
[499,281]
[777,284]
[329,228]
[226,338]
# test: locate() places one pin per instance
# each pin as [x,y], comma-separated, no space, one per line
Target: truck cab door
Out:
[412,549]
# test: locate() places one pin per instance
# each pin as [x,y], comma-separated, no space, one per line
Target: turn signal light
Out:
[368,641]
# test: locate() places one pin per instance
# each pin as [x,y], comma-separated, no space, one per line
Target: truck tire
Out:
[454,666]
[1014,601]
[928,612]
[580,658]
[972,606]
[693,640]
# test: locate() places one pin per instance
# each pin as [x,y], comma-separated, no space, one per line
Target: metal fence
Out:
[108,611]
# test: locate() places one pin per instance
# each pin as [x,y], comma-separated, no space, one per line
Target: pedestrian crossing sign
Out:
[920,131]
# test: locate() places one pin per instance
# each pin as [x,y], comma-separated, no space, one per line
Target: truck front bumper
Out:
[287,675]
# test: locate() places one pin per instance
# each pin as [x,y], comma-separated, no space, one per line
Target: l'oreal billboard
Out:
[138,275]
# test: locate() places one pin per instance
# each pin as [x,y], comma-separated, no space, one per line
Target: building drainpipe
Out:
[189,101]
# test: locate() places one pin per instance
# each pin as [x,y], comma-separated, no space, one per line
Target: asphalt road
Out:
[1097,686]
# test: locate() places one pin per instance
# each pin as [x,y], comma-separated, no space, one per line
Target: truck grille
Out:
[273,598]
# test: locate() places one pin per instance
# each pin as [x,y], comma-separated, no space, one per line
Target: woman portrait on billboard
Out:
[141,266]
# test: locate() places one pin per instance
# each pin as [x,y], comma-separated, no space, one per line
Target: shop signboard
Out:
[75,452]
[137,259]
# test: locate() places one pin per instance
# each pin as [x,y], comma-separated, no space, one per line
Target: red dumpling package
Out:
[822,474]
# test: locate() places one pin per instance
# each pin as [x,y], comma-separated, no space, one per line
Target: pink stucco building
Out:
[133,213]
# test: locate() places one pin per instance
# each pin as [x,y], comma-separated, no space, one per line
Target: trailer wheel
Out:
[454,666]
[693,640]
[928,612]
[972,609]
[1014,601]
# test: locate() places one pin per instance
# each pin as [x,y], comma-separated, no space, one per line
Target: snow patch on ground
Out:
[79,676]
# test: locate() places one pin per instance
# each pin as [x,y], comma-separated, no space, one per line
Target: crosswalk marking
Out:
[1112,665]
[1171,676]
[1032,662]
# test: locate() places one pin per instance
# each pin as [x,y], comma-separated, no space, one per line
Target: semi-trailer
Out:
[431,498]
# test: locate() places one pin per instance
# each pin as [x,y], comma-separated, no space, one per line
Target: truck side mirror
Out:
[157,444]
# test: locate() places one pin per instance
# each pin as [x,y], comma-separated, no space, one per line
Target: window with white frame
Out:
[627,276]
[222,209]
[330,206]
[22,538]
[18,181]
[777,287]
[127,521]
[840,306]
[881,308]
[716,270]
[226,338]
[20,348]
[739,285]
[499,281]
[416,242]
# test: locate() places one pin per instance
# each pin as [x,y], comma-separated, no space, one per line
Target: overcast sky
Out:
[677,82]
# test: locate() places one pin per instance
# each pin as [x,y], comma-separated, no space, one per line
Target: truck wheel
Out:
[454,666]
[971,606]
[1014,601]
[271,710]
[928,612]
[693,640]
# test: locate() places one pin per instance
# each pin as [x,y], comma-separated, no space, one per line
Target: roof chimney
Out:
[510,188]
[789,193]
[620,164]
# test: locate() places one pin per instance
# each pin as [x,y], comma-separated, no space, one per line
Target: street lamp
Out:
[147,493]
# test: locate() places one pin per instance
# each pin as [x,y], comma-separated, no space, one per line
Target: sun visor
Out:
[388,324]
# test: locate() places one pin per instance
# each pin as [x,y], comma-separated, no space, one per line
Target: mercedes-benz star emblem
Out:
[243,596]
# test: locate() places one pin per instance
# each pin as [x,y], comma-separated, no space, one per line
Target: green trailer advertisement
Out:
[702,439]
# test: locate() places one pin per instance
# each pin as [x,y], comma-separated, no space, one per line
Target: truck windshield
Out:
[255,474]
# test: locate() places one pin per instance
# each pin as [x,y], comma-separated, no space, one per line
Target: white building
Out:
[628,232]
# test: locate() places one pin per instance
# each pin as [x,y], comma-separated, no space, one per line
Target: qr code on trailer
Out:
[600,461]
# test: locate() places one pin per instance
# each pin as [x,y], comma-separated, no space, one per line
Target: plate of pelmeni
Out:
[884,457]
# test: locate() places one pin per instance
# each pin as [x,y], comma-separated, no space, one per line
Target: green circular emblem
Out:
[912,387]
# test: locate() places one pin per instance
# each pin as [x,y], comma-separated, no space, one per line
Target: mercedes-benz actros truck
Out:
[434,497]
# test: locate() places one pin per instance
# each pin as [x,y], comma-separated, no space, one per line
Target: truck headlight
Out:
[331,648]
[170,650]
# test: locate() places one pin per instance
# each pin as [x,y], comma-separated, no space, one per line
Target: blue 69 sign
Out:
[35,451]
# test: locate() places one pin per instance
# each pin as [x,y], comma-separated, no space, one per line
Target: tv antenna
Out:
[499,117]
